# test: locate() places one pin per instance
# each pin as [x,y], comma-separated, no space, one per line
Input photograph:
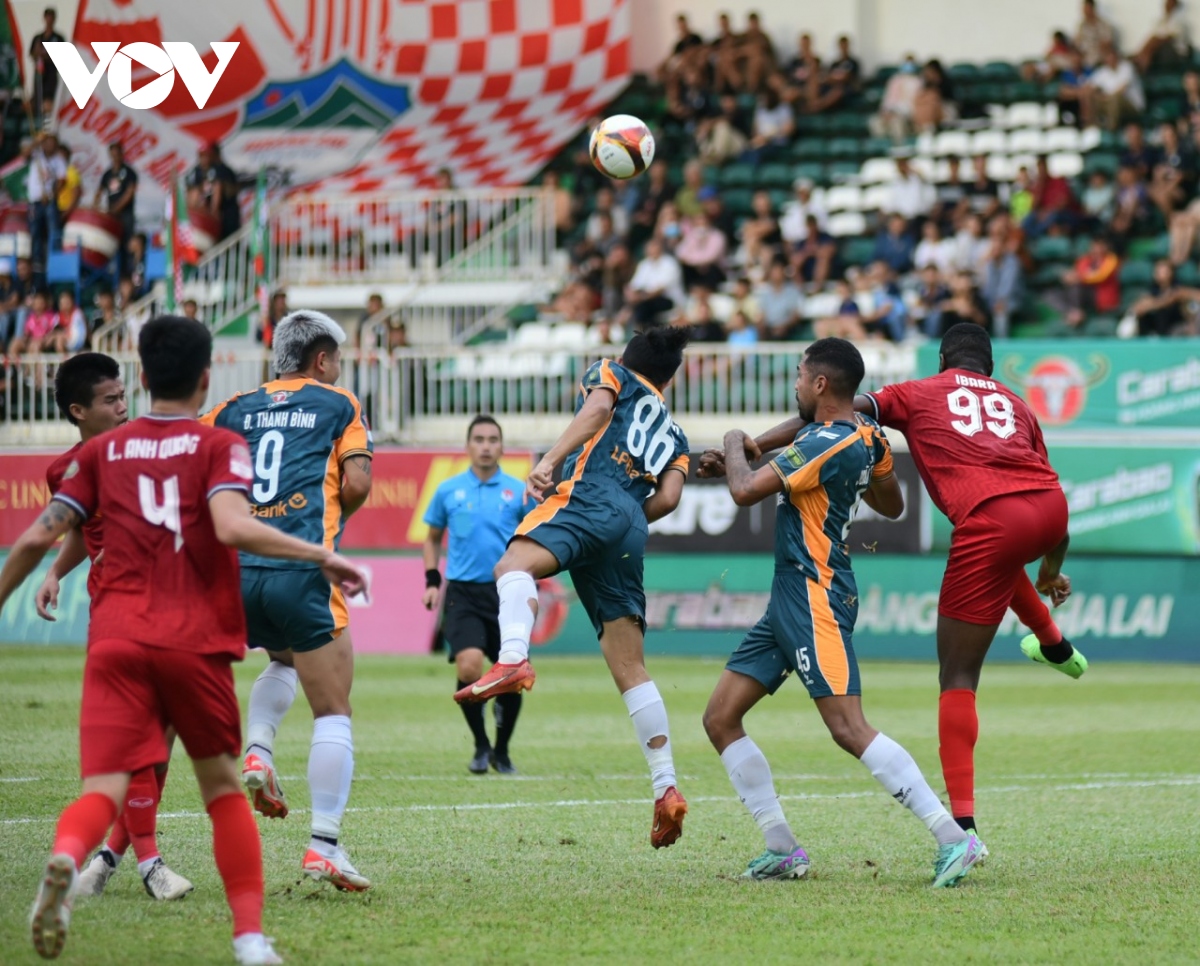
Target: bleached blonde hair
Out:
[296,332]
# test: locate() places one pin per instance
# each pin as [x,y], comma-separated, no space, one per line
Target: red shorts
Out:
[990,549]
[131,692]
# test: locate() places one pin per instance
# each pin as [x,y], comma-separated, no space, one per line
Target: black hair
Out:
[76,380]
[657,353]
[840,362]
[322,343]
[175,353]
[483,419]
[967,346]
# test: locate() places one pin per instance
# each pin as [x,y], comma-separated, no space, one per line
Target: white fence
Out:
[473,234]
[412,396]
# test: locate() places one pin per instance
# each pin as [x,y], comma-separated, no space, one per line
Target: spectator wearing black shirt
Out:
[1137,154]
[45,76]
[689,50]
[839,81]
[135,256]
[118,188]
[965,304]
[212,186]
[951,197]
[1173,178]
[812,260]
[983,194]
[1162,310]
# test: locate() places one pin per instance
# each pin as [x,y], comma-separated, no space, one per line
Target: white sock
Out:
[895,770]
[330,769]
[649,716]
[751,777]
[516,590]
[146,865]
[116,859]
[270,698]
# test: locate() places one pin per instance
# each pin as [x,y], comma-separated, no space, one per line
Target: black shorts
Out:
[471,618]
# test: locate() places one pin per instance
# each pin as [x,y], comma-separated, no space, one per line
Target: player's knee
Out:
[718,727]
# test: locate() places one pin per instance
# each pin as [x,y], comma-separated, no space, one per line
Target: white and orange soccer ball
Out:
[622,146]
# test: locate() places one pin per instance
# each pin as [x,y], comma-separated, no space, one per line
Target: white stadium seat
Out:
[1001,168]
[1050,115]
[821,305]
[1027,140]
[1090,139]
[876,197]
[1063,139]
[926,143]
[847,223]
[532,334]
[1065,164]
[989,141]
[847,197]
[877,171]
[923,166]
[1024,114]
[952,142]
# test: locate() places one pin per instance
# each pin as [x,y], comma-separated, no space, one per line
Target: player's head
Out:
[176,356]
[830,371]
[485,442]
[656,354]
[90,394]
[966,346]
[306,344]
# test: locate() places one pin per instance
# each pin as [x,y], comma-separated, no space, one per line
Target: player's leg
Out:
[742,684]
[466,633]
[468,664]
[507,708]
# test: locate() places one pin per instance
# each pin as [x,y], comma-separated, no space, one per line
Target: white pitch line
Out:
[1181,780]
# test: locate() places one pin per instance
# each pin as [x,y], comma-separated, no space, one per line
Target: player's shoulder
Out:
[333,394]
[58,466]
[234,402]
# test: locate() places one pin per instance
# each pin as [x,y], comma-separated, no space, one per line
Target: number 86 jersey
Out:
[971,437]
[300,431]
[640,441]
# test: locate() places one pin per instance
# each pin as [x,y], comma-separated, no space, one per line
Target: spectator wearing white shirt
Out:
[656,286]
[1169,43]
[773,125]
[71,332]
[934,250]
[970,246]
[793,225]
[605,205]
[780,302]
[909,194]
[47,172]
[1113,93]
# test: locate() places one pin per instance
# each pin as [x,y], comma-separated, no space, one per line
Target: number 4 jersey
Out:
[166,580]
[971,437]
[300,431]
[640,441]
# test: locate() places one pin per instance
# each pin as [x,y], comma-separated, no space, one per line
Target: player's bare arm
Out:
[235,527]
[356,483]
[668,494]
[885,497]
[56,520]
[747,486]
[431,553]
[591,418]
[1051,581]
[70,555]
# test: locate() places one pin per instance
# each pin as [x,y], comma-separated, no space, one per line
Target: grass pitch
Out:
[1088,800]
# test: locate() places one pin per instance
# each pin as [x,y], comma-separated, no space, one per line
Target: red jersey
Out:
[93,530]
[166,581]
[971,437]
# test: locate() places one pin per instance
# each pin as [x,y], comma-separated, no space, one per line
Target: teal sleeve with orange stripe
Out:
[355,438]
[600,375]
[884,464]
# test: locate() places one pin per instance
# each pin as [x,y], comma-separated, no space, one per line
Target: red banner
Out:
[403,482]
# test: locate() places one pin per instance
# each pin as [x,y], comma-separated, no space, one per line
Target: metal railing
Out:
[404,389]
[483,234]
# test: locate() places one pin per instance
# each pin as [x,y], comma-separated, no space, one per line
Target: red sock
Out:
[82,825]
[958,730]
[141,813]
[118,839]
[160,778]
[238,851]
[1032,611]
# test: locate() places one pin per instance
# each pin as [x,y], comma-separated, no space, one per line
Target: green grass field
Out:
[1088,795]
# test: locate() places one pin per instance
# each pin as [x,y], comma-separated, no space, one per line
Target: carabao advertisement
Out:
[1084,384]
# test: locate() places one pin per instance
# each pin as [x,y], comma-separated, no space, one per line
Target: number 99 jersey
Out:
[299,431]
[640,441]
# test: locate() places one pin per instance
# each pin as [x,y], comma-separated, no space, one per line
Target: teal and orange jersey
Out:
[300,431]
[639,442]
[825,473]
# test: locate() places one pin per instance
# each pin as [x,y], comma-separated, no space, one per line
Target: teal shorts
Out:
[291,609]
[806,630]
[600,538]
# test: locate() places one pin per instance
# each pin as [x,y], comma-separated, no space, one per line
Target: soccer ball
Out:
[622,146]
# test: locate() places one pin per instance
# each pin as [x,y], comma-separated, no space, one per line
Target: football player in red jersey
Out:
[91,396]
[166,624]
[980,453]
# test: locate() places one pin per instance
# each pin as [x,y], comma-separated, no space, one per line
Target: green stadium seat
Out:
[1029,330]
[1095,161]
[1188,274]
[877,147]
[848,124]
[813,170]
[883,73]
[843,169]
[780,197]
[1150,248]
[999,70]
[810,148]
[1101,327]
[1111,140]
[1048,274]
[1156,85]
[737,174]
[1025,91]
[1137,271]
[856,251]
[844,148]
[1051,248]
[963,72]
[776,176]
[737,201]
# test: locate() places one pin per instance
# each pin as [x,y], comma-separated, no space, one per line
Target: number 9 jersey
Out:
[640,441]
[300,431]
[971,437]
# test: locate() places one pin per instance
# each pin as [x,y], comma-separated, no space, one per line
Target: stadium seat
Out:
[989,141]
[812,148]
[952,142]
[1150,248]
[876,197]
[1002,168]
[1188,274]
[1049,274]
[1137,271]
[1063,139]
[1101,327]
[844,148]
[843,170]
[1024,114]
[877,147]
[963,72]
[877,171]
[1090,139]
[998,70]
[775,176]
[813,170]
[1100,161]
[844,198]
[737,200]
[924,166]
[737,174]
[847,223]
[1032,140]
[1065,164]
[821,305]
[532,334]
[856,251]
[1051,248]
[926,143]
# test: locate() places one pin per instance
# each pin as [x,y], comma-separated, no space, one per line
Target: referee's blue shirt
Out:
[481,517]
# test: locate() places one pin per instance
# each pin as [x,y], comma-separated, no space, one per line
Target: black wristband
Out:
[433,578]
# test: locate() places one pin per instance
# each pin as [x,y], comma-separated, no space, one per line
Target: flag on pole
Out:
[260,250]
[181,244]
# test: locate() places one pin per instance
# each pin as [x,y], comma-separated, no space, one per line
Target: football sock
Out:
[330,770]
[966,822]
[82,825]
[1032,611]
[238,851]
[516,590]
[118,840]
[1058,653]
[141,814]
[958,730]
[895,770]
[507,707]
[270,698]
[751,777]
[109,856]
[649,716]
[474,715]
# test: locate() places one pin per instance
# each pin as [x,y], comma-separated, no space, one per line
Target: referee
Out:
[481,508]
